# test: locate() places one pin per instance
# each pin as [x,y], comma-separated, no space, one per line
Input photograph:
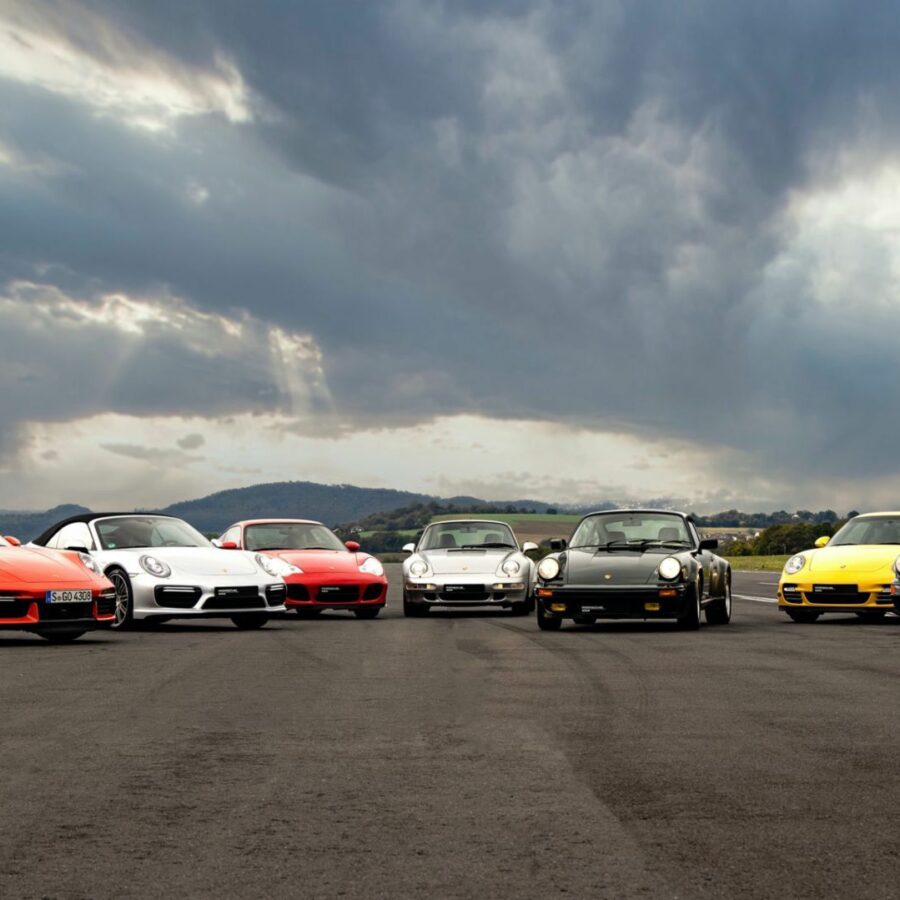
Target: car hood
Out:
[845,563]
[587,567]
[468,562]
[199,560]
[35,565]
[314,562]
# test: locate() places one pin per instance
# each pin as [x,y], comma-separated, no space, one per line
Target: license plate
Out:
[463,588]
[68,597]
[593,609]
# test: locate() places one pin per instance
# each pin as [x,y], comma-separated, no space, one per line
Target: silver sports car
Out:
[162,568]
[465,563]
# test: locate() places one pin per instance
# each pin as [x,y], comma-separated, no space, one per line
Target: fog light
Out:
[557,607]
[667,593]
[652,607]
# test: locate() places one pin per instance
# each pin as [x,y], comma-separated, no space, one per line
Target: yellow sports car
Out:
[851,572]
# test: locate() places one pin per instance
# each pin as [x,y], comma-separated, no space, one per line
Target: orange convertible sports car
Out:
[321,572]
[58,595]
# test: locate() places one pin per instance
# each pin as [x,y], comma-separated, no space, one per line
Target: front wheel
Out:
[719,611]
[521,609]
[690,621]
[367,613]
[546,622]
[124,598]
[60,637]
[413,610]
[249,621]
[806,616]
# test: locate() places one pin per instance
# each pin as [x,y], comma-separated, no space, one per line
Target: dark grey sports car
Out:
[633,564]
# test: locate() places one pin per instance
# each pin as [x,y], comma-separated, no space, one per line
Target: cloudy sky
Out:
[568,250]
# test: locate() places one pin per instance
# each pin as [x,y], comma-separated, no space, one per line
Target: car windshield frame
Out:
[476,526]
[856,523]
[318,545]
[638,543]
[198,540]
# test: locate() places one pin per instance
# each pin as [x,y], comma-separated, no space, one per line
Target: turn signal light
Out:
[543,592]
[652,607]
[557,607]
[667,593]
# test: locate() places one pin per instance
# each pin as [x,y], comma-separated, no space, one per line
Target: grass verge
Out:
[757,563]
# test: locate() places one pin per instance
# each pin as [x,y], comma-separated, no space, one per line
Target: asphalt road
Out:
[463,755]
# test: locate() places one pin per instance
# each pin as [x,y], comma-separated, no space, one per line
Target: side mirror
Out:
[558,544]
[74,549]
[12,541]
[709,544]
[529,547]
[409,548]
[352,545]
[228,545]
[822,541]
[216,543]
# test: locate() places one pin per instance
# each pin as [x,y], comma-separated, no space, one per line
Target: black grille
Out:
[468,592]
[297,592]
[338,593]
[175,597]
[14,609]
[275,594]
[235,598]
[839,594]
[106,604]
[60,612]
[372,592]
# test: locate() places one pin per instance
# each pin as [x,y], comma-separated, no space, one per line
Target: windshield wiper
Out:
[483,546]
[656,542]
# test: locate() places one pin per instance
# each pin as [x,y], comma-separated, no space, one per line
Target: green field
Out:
[757,563]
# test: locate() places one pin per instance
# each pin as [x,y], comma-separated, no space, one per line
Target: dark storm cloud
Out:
[572,211]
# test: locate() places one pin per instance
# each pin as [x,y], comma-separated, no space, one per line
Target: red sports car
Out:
[56,594]
[321,572]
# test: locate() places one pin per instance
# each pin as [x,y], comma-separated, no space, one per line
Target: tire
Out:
[584,620]
[690,621]
[547,622]
[413,610]
[805,616]
[719,611]
[521,609]
[60,637]
[250,621]
[124,597]
[367,613]
[872,615]
[308,613]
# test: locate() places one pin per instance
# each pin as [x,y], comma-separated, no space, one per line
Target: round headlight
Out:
[511,567]
[156,567]
[418,568]
[548,568]
[794,564]
[88,562]
[669,568]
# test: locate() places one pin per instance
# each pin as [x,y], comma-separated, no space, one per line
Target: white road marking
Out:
[772,583]
[757,599]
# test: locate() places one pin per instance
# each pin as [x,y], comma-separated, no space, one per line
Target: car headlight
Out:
[418,568]
[794,564]
[897,566]
[88,562]
[276,567]
[371,566]
[548,568]
[669,568]
[511,567]
[156,567]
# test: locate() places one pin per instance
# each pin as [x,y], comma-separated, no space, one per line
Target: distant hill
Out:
[28,525]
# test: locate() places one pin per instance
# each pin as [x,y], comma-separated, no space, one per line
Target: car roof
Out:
[88,518]
[667,512]
[275,521]
[460,521]
[868,514]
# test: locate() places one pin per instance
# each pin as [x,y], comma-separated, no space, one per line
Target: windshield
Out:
[636,529]
[291,536]
[467,535]
[870,530]
[132,532]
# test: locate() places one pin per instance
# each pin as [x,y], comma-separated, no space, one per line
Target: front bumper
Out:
[325,591]
[840,598]
[466,591]
[642,601]
[206,598]
[30,611]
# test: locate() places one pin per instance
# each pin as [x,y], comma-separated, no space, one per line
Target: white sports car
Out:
[465,563]
[162,568]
